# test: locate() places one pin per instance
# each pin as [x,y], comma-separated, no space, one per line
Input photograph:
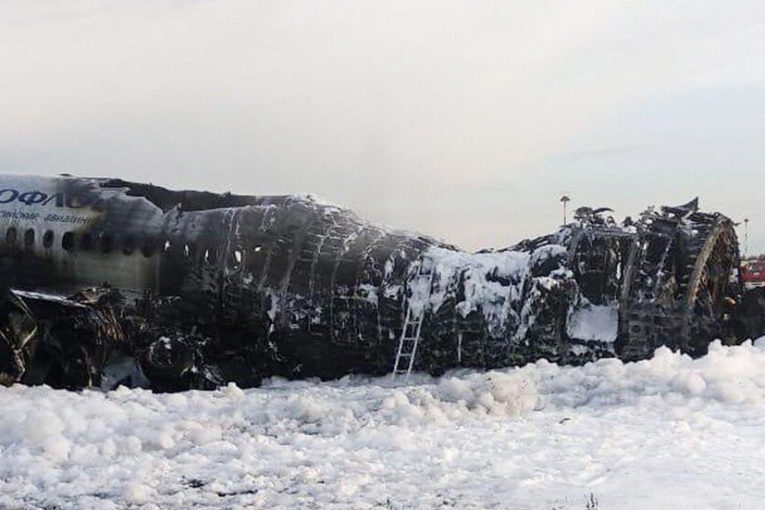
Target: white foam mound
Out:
[653,434]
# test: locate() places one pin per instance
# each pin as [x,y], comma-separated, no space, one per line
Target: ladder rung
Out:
[412,330]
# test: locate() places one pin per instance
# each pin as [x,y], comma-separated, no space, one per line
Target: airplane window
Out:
[128,246]
[67,241]
[29,237]
[48,239]
[86,241]
[106,243]
[210,256]
[148,248]
[10,236]
[236,259]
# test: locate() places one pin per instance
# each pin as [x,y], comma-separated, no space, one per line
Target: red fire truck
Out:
[753,272]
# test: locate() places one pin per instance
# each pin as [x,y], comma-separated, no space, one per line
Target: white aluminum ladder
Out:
[410,335]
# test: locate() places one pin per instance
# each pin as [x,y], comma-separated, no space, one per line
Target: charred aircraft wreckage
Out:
[111,282]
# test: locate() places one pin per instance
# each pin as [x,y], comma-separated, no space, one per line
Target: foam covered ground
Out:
[670,432]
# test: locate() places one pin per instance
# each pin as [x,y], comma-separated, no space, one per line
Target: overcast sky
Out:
[464,120]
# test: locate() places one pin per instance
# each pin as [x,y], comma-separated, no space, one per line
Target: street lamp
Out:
[746,237]
[565,199]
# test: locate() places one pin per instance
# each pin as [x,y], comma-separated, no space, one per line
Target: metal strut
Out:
[410,334]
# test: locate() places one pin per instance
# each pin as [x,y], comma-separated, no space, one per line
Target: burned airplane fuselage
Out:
[205,287]
[137,284]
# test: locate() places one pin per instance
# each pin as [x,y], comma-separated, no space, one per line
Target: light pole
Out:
[746,237]
[565,199]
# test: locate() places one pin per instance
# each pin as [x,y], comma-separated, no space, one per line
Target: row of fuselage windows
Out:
[106,244]
[85,242]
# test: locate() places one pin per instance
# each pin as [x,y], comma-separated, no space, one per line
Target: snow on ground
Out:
[666,433]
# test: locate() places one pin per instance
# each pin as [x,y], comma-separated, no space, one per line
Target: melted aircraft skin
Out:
[195,289]
[202,268]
